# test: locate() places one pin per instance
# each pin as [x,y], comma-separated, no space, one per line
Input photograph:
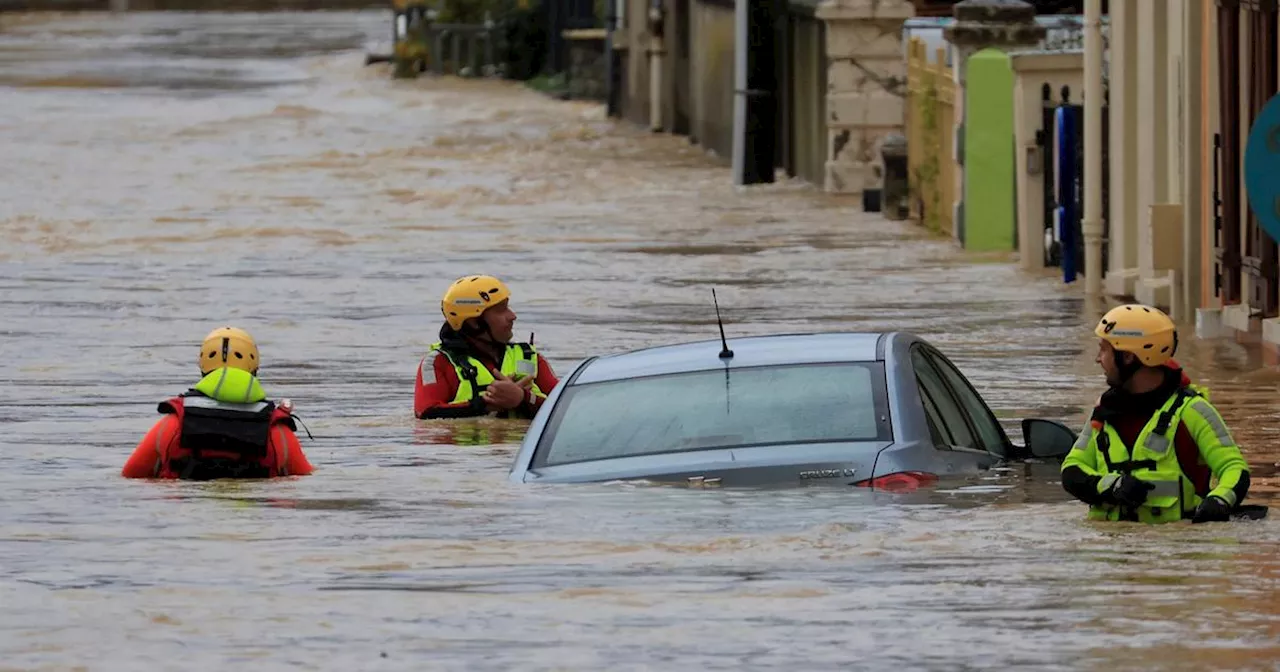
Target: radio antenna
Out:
[725,352]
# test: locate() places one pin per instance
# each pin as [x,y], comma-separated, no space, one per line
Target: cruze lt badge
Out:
[826,473]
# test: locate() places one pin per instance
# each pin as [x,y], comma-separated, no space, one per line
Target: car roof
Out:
[773,349]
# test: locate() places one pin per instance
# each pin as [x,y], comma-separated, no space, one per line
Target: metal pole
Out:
[740,46]
[1093,96]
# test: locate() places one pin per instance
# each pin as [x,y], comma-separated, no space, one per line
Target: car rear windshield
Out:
[703,410]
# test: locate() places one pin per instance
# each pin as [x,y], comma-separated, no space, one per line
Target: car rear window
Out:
[807,403]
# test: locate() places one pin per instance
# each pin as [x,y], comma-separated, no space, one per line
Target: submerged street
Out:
[165,174]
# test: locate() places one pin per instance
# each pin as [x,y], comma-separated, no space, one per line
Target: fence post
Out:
[473,58]
[457,51]
[437,63]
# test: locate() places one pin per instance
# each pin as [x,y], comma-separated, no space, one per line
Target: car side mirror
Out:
[1047,438]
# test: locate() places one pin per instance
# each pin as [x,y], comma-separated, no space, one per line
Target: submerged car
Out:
[885,410]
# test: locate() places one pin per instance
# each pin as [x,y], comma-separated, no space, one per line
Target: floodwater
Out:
[166,174]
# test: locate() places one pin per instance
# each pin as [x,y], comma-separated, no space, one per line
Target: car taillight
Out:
[903,481]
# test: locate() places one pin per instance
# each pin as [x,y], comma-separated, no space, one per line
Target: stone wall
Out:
[866,87]
[586,64]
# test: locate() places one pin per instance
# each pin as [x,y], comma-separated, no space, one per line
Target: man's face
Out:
[501,321]
[1107,360]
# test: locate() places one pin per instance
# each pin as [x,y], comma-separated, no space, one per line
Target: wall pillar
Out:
[866,88]
[1122,243]
[982,24]
[657,51]
[1031,71]
[1193,174]
[1153,148]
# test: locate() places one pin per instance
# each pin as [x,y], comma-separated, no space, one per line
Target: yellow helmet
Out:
[228,346]
[470,296]
[1145,331]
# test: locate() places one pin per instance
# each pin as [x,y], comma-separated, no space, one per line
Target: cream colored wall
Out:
[713,77]
[1155,99]
[1031,71]
[1210,124]
[1153,144]
[1175,109]
[1191,154]
[636,108]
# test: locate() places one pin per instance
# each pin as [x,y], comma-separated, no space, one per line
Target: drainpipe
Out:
[656,51]
[740,46]
[1091,226]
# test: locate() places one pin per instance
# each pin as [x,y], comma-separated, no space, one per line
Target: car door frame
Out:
[933,353]
[979,457]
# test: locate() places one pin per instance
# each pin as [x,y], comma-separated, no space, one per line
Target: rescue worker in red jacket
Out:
[224,427]
[475,369]
[1154,445]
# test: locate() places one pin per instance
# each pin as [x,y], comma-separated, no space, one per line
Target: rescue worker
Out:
[224,427]
[1153,442]
[475,369]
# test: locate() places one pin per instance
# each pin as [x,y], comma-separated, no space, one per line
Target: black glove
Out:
[1130,491]
[1212,510]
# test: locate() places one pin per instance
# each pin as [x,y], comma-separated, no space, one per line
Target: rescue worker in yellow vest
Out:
[475,369]
[1153,442]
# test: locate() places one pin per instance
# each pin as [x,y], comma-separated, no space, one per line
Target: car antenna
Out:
[725,352]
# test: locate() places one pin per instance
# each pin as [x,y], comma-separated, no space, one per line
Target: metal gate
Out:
[1064,198]
[562,15]
[1260,253]
[1258,261]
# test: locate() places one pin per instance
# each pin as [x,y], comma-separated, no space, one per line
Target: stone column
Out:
[866,87]
[656,52]
[1153,114]
[1192,159]
[982,24]
[1122,243]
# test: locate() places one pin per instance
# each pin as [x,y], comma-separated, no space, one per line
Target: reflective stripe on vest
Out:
[520,359]
[1153,459]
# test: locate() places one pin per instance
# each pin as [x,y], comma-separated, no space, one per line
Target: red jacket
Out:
[160,448]
[433,394]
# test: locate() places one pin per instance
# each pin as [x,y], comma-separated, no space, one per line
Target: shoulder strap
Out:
[468,371]
[1167,416]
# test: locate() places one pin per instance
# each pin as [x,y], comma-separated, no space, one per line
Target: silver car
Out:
[884,410]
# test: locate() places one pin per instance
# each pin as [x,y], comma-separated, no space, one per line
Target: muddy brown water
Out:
[164,174]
